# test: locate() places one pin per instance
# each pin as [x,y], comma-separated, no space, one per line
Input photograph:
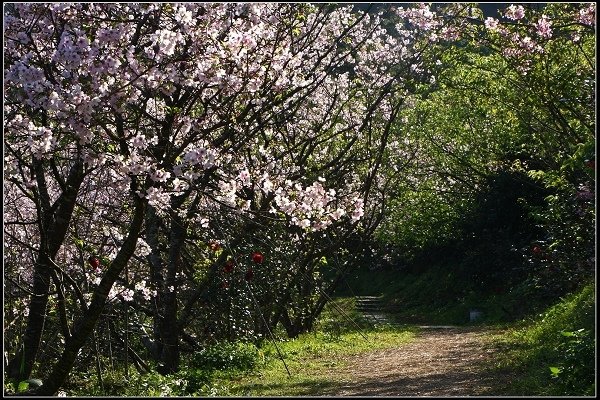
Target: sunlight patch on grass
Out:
[315,361]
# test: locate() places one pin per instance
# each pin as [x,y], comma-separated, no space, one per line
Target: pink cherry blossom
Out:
[543,27]
[515,12]
[587,16]
[491,23]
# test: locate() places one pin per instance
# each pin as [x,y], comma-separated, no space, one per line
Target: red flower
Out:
[257,257]
[536,249]
[225,285]
[94,261]
[229,266]
[590,164]
[249,274]
[214,246]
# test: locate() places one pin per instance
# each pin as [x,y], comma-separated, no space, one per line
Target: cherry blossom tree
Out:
[128,123]
[164,157]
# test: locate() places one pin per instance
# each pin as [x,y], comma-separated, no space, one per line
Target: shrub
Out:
[554,354]
[577,366]
[227,356]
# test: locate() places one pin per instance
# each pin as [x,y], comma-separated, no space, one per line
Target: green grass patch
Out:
[554,353]
[440,295]
[314,361]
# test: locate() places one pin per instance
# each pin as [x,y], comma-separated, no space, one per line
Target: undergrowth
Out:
[246,369]
[438,296]
[550,354]
[553,353]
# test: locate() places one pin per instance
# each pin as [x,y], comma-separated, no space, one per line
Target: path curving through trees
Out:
[439,362]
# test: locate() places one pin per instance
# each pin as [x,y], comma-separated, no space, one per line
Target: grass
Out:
[549,350]
[315,360]
[553,353]
[440,296]
[550,354]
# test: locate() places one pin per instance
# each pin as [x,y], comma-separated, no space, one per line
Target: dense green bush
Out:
[554,353]
[577,365]
[226,356]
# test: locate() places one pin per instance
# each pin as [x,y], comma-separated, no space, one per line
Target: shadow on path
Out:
[440,362]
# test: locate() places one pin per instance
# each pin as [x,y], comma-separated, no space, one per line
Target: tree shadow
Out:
[465,377]
[454,383]
[308,387]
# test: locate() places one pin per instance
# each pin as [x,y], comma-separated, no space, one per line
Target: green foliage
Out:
[554,354]
[12,386]
[498,161]
[314,360]
[23,386]
[155,385]
[577,363]
[115,383]
[226,356]
[196,380]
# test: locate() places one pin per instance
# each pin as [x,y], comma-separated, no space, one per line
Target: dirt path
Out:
[440,362]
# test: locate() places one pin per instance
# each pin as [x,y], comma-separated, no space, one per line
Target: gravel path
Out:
[439,362]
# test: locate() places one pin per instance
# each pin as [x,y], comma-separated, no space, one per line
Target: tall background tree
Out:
[501,171]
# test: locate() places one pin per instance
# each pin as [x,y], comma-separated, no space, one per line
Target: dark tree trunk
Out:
[53,230]
[85,325]
[290,328]
[156,277]
[169,358]
[165,344]
[21,365]
[303,323]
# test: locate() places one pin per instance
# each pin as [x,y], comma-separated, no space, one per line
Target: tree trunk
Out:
[52,235]
[21,365]
[86,324]
[290,328]
[169,358]
[165,345]
[156,277]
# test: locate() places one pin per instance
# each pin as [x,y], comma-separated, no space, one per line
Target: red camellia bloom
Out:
[214,246]
[590,164]
[257,257]
[536,249]
[94,261]
[249,274]
[229,266]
